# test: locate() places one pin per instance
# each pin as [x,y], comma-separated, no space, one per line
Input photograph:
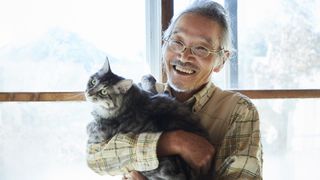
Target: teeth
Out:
[188,71]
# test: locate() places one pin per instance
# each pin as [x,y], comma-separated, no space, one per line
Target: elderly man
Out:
[196,44]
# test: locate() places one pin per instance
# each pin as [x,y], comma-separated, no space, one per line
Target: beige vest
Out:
[216,114]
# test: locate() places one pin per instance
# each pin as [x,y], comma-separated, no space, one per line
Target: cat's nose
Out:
[90,93]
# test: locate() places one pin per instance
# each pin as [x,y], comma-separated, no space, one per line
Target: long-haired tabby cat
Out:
[124,107]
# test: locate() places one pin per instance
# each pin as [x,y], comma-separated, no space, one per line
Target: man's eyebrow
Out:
[183,31]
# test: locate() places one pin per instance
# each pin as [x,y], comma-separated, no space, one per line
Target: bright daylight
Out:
[55,45]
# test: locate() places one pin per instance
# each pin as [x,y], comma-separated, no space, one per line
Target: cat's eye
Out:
[104,92]
[93,81]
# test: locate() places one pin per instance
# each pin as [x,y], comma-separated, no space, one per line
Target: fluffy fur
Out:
[123,107]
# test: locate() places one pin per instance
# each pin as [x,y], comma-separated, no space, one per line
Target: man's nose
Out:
[186,55]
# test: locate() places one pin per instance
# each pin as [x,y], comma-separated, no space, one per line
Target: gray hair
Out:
[211,10]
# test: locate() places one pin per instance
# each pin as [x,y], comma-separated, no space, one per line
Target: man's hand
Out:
[194,149]
[134,175]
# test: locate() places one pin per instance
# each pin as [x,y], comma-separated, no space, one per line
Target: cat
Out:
[124,107]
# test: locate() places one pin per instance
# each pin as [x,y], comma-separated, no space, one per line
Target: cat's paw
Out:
[148,83]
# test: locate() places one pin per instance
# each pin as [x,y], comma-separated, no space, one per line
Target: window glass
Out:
[279,44]
[54,45]
[290,137]
[45,141]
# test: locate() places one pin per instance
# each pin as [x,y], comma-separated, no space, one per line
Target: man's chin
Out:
[179,88]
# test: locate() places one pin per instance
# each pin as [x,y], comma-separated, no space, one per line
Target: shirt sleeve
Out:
[240,154]
[124,153]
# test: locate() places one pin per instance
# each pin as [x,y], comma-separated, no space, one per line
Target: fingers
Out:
[198,153]
[203,166]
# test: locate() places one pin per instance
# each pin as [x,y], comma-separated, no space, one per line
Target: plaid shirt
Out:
[231,120]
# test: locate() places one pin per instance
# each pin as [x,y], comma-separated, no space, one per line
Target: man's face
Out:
[185,71]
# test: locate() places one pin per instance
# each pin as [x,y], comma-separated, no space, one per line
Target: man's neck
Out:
[183,96]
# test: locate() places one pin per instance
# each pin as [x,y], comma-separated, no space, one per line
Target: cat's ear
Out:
[123,86]
[106,66]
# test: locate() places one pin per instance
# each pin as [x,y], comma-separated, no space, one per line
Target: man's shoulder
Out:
[234,95]
[219,95]
[230,100]
[221,101]
[242,103]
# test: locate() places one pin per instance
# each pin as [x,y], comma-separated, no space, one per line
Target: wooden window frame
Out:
[79,96]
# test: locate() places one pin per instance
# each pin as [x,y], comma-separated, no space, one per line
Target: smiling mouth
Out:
[183,70]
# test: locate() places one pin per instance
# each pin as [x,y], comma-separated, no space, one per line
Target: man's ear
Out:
[223,58]
[218,68]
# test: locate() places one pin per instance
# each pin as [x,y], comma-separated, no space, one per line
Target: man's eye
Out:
[176,42]
[177,45]
[200,50]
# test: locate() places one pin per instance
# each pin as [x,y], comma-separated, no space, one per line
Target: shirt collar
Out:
[198,100]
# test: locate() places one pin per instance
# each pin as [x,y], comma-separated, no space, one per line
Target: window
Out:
[54,46]
[278,48]
[290,137]
[278,44]
[43,140]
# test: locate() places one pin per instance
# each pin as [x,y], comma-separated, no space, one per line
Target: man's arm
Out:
[124,153]
[194,149]
[240,155]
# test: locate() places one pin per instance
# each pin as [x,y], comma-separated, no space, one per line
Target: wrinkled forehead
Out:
[198,27]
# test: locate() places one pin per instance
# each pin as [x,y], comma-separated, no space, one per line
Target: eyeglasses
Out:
[199,51]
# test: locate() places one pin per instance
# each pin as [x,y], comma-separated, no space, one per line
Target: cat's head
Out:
[106,89]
